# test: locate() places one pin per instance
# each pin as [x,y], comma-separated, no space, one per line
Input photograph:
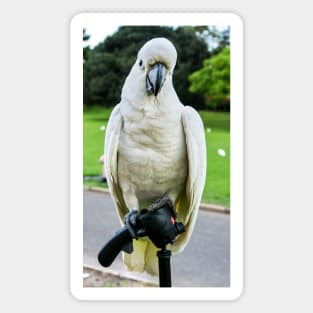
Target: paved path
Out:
[205,262]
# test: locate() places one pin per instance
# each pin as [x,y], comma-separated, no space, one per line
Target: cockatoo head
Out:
[156,59]
[152,70]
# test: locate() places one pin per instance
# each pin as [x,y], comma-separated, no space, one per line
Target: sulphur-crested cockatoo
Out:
[154,148]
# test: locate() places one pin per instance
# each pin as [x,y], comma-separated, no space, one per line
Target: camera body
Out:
[157,222]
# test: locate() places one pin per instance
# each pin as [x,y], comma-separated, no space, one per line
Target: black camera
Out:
[157,222]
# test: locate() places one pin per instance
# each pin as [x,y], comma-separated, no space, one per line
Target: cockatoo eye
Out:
[140,63]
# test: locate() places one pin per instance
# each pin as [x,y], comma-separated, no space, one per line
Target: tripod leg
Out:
[164,257]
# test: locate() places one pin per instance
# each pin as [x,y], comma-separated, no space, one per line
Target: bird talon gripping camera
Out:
[158,223]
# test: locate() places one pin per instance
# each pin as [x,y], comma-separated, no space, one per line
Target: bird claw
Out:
[133,218]
[134,225]
[162,202]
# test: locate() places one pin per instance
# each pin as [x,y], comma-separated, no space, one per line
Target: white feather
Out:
[154,146]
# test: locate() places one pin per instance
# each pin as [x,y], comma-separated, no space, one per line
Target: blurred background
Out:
[201,79]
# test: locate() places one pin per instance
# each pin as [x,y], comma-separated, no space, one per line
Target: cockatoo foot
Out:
[161,202]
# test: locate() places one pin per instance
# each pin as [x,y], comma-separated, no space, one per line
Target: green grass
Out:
[94,139]
[217,186]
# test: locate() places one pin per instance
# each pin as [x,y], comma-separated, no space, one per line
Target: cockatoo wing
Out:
[111,157]
[144,254]
[187,204]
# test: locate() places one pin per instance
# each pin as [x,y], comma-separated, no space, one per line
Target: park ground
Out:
[96,278]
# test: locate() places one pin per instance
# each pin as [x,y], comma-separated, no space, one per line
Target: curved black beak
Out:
[155,78]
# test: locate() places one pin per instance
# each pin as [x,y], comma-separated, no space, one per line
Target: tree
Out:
[86,49]
[109,63]
[216,37]
[213,80]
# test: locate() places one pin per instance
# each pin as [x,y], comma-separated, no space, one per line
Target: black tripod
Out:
[158,223]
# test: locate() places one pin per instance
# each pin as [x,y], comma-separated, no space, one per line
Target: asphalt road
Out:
[205,262]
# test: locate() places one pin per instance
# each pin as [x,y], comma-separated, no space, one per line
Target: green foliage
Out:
[108,64]
[86,50]
[86,36]
[216,38]
[213,79]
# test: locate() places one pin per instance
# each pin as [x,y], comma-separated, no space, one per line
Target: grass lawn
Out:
[94,139]
[217,186]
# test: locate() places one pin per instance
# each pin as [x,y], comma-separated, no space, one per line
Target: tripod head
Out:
[157,222]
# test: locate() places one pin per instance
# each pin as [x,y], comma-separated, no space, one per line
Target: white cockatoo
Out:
[154,148]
